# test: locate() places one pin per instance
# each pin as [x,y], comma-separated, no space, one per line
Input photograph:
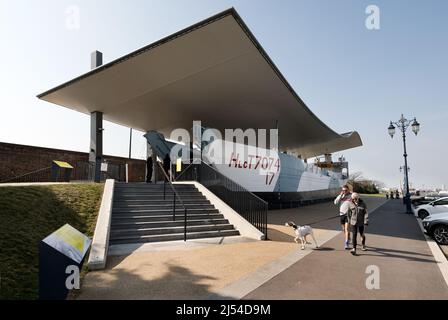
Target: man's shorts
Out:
[344,219]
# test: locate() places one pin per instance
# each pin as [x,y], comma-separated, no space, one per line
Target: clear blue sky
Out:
[350,77]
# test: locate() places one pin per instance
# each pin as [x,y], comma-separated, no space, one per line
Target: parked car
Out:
[436,226]
[437,206]
[418,201]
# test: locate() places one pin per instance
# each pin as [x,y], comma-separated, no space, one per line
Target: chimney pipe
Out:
[96,59]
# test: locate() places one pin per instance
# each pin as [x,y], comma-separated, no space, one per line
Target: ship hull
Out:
[274,176]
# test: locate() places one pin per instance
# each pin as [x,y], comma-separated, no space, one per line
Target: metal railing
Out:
[82,171]
[175,196]
[41,175]
[187,170]
[248,205]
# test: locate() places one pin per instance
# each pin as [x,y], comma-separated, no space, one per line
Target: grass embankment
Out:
[27,216]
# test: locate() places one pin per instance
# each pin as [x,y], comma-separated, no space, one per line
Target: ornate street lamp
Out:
[404,182]
[415,127]
[391,130]
[403,124]
[402,169]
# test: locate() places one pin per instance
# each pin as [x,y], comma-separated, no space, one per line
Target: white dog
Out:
[301,233]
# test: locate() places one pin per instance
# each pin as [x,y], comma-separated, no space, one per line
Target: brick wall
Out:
[16,160]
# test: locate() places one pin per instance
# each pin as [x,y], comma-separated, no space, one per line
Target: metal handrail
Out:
[175,195]
[185,170]
[25,175]
[236,183]
[202,162]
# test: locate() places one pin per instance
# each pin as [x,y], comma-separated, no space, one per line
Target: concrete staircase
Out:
[140,214]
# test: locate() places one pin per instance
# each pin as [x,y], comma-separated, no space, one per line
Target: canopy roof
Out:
[214,71]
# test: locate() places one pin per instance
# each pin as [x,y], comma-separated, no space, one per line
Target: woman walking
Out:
[358,218]
[343,200]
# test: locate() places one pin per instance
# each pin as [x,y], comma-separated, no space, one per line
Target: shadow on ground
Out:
[279,236]
[177,283]
[398,254]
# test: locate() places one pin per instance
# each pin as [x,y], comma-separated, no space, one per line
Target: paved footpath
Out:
[239,268]
[396,246]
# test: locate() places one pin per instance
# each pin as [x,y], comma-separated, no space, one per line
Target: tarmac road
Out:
[396,248]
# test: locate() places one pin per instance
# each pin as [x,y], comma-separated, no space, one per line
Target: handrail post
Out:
[266,208]
[164,187]
[174,206]
[185,224]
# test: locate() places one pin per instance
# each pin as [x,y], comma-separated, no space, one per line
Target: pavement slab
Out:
[179,274]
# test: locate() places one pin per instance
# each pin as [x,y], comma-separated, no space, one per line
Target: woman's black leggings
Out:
[355,230]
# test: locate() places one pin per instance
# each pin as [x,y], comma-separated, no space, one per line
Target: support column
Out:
[96,145]
[96,129]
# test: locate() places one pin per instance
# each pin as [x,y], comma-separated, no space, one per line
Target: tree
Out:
[354,179]
[360,184]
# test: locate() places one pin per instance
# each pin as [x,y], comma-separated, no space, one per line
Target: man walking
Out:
[343,200]
[358,217]
[149,165]
[167,164]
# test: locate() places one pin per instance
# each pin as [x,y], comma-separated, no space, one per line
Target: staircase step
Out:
[151,185]
[158,189]
[160,218]
[149,212]
[167,190]
[119,202]
[144,213]
[116,234]
[174,237]
[164,206]
[160,224]
[151,196]
[157,195]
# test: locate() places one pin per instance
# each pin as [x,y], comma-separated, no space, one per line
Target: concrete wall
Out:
[16,160]
[100,243]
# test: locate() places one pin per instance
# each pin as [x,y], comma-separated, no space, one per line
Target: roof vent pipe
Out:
[96,59]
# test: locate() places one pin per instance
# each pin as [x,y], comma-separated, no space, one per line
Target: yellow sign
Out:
[178,165]
[63,164]
[73,237]
[69,242]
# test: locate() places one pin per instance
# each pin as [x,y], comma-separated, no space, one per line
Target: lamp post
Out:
[403,124]
[404,182]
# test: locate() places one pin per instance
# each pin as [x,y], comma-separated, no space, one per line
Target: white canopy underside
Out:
[214,71]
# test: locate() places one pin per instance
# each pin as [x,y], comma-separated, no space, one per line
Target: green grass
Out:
[28,215]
